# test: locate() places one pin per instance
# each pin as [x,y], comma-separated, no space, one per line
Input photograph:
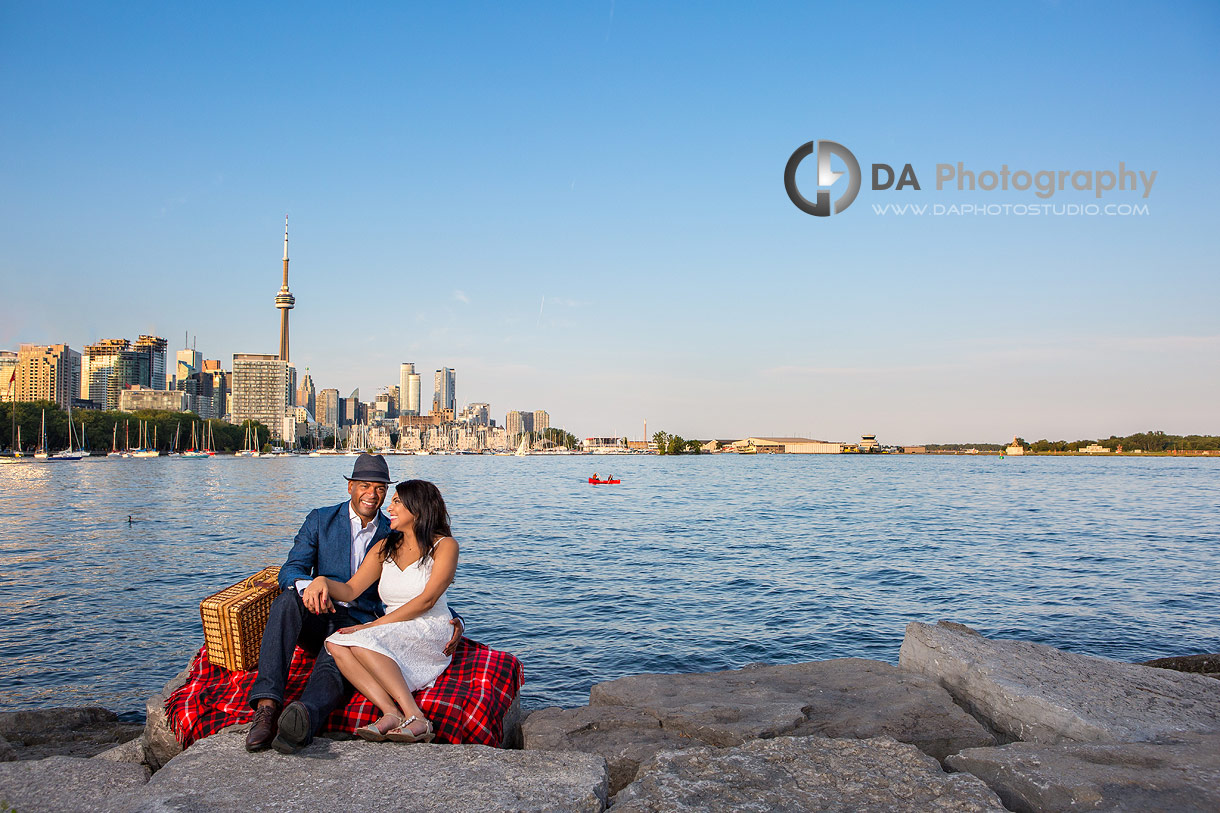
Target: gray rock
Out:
[622,735]
[7,752]
[845,697]
[802,774]
[1037,693]
[216,773]
[1175,776]
[75,732]
[66,783]
[131,751]
[1199,664]
[160,744]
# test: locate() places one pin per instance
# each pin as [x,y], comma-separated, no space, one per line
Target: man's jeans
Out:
[291,624]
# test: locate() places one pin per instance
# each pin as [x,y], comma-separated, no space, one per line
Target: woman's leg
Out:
[360,677]
[386,672]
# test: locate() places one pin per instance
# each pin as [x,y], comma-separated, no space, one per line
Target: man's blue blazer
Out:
[323,547]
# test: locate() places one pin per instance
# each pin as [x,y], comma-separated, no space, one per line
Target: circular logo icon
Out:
[826,177]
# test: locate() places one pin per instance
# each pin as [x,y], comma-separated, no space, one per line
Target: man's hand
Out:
[317,597]
[458,629]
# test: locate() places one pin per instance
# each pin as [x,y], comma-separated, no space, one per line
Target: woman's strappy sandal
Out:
[404,734]
[373,733]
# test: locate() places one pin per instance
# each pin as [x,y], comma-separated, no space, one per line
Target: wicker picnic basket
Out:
[234,620]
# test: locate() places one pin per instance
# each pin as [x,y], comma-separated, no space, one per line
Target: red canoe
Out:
[604,482]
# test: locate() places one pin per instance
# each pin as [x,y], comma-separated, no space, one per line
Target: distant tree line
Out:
[1152,441]
[102,426]
[675,444]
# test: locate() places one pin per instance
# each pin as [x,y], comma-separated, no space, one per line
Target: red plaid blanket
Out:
[466,705]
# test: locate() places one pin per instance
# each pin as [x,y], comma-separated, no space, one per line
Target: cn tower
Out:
[284,300]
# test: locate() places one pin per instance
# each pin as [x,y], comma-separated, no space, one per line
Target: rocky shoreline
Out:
[963,723]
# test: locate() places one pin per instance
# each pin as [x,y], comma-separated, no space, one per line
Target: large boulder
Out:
[845,697]
[1037,693]
[65,783]
[1179,776]
[622,735]
[801,774]
[74,732]
[159,743]
[217,773]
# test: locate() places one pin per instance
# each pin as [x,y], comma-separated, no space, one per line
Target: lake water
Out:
[692,564]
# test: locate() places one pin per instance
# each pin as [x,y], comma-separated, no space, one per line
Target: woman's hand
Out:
[348,630]
[317,597]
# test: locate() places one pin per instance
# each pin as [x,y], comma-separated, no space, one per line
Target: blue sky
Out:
[581,206]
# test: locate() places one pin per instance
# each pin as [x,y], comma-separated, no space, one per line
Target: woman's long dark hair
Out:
[424,501]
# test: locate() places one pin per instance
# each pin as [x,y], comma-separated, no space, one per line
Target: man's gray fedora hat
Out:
[371,468]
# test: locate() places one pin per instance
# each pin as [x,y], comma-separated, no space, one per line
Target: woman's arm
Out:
[321,590]
[444,566]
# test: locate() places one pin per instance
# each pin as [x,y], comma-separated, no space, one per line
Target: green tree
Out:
[662,442]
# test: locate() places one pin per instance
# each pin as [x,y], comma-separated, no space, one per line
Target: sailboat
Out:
[174,451]
[142,451]
[70,453]
[209,444]
[41,452]
[193,453]
[249,447]
[114,442]
[523,449]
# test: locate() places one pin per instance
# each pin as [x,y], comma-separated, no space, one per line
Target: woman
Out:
[403,651]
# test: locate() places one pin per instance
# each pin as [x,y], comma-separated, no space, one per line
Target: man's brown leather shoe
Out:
[262,732]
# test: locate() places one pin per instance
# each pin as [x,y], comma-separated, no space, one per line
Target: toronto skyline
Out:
[584,207]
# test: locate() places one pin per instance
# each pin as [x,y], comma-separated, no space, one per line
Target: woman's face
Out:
[400,518]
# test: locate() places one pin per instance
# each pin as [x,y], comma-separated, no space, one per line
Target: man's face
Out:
[366,498]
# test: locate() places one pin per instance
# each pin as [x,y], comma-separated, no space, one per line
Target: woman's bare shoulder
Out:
[445,542]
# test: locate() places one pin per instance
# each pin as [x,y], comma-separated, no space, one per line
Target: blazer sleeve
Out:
[303,558]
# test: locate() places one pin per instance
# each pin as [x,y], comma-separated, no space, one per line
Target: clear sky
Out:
[581,207]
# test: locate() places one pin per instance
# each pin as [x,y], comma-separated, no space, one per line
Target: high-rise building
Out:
[284,300]
[396,398]
[156,347]
[443,392]
[541,420]
[132,368]
[306,397]
[220,386]
[47,373]
[408,385]
[262,390]
[518,423]
[97,365]
[328,407]
[478,414]
[190,361]
[8,374]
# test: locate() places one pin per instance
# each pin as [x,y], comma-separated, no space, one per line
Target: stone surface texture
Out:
[1037,693]
[622,735]
[844,697]
[72,732]
[802,774]
[1183,775]
[1199,664]
[66,783]
[217,773]
[513,718]
[160,744]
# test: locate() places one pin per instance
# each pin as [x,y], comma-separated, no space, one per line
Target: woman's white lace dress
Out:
[417,646]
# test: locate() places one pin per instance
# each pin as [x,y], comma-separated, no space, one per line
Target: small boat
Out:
[194,453]
[41,452]
[593,481]
[71,452]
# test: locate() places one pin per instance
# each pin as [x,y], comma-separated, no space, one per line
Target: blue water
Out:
[693,563]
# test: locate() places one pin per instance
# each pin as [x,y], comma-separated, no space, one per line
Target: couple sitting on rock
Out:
[346,562]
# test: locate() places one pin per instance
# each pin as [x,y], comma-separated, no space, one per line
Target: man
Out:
[332,542]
